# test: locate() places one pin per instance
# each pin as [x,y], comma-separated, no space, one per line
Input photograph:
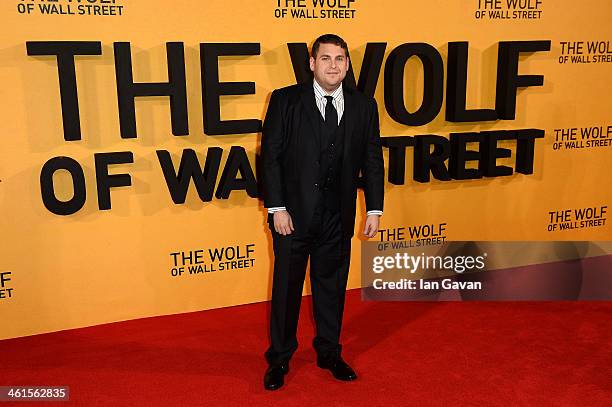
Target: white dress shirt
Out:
[338,102]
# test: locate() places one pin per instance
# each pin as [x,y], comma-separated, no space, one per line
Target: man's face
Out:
[330,66]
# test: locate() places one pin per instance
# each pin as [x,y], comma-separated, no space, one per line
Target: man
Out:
[317,137]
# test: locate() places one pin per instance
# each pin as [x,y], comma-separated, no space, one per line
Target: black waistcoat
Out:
[330,160]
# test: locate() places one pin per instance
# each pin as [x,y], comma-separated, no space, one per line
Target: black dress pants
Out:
[329,256]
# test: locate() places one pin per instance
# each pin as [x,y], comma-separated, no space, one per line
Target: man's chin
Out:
[332,84]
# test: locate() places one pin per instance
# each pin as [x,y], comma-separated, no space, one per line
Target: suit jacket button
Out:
[316,185]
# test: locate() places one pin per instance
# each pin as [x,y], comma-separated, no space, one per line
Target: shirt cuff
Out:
[374,212]
[276,209]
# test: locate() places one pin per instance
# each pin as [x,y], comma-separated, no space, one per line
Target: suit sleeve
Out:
[271,149]
[373,169]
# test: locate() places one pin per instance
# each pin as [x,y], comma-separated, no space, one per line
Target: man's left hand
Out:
[371,225]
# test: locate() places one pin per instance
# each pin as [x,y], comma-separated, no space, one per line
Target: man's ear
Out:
[312,61]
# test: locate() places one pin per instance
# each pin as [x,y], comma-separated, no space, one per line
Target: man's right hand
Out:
[283,223]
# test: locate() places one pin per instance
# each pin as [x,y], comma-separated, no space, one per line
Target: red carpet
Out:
[485,354]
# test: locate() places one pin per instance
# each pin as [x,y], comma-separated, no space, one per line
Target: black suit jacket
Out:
[290,159]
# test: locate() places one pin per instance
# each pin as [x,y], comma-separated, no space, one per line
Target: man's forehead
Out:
[330,49]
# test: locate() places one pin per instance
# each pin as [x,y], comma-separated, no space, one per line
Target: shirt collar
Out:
[321,93]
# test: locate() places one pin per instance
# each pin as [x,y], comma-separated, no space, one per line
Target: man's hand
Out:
[283,223]
[371,225]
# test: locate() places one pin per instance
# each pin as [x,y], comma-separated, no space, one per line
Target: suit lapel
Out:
[307,98]
[349,121]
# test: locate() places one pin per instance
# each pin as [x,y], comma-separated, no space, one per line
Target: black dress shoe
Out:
[275,376]
[338,368]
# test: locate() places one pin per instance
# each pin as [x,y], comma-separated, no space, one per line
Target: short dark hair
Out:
[329,39]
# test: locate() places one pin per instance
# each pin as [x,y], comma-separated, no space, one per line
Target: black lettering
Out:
[212,89]
[298,52]
[460,155]
[237,162]
[491,152]
[397,157]
[525,149]
[105,181]
[508,79]
[189,168]
[65,52]
[175,88]
[433,69]
[50,201]
[456,88]
[427,160]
